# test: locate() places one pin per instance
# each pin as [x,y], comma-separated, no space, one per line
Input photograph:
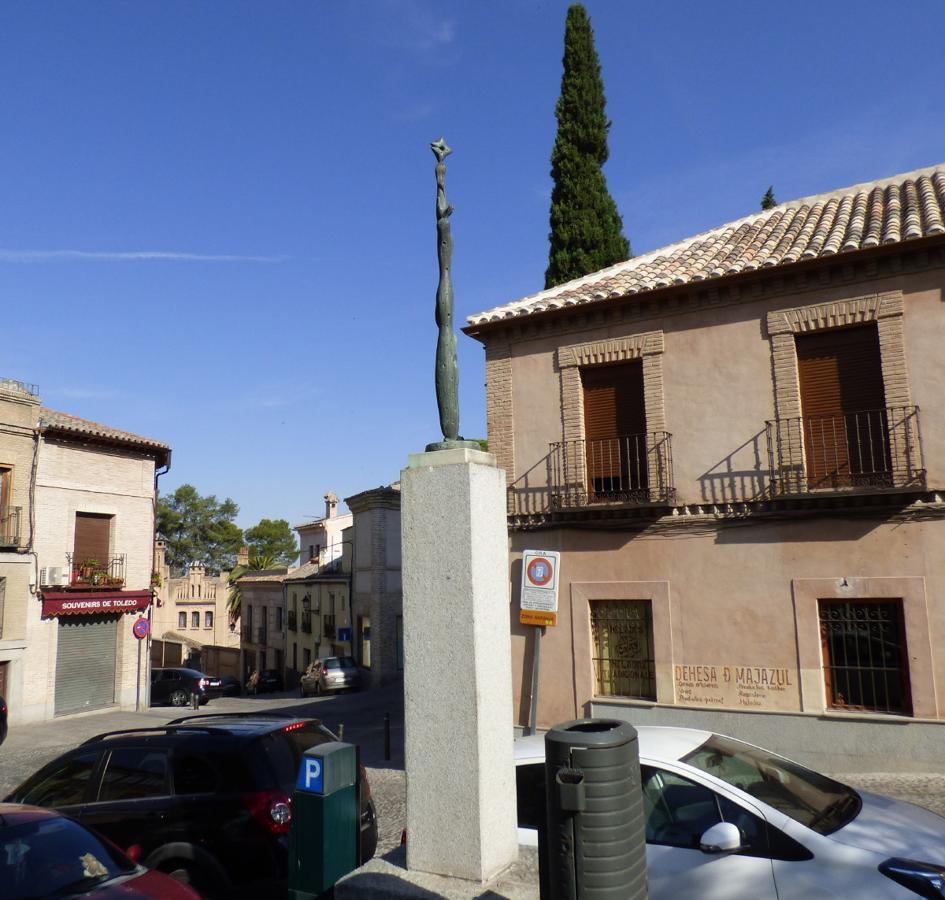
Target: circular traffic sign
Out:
[141,628]
[540,571]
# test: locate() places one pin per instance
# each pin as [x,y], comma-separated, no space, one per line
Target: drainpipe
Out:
[158,472]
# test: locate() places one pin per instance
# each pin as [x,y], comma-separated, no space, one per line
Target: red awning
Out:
[91,603]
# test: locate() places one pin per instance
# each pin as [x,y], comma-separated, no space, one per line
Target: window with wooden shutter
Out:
[843,408]
[92,540]
[615,431]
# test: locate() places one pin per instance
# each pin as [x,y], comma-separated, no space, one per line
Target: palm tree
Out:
[234,600]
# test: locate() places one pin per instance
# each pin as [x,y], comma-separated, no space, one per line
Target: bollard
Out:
[386,735]
[595,841]
[341,731]
[194,700]
[324,831]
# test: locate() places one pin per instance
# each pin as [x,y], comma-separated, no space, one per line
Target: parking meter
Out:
[595,837]
[323,837]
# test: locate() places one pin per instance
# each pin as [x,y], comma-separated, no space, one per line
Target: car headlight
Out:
[925,879]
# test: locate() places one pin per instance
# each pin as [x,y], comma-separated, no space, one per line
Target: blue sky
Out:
[216,218]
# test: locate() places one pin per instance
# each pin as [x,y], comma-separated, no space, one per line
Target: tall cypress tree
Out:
[586,229]
[768,201]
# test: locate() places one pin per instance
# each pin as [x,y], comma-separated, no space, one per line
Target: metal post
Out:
[386,735]
[194,700]
[341,731]
[138,680]
[536,673]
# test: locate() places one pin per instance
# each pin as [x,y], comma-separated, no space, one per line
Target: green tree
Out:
[199,529]
[768,201]
[234,598]
[586,228]
[272,537]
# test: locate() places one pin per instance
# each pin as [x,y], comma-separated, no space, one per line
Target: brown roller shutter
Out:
[843,406]
[615,430]
[92,538]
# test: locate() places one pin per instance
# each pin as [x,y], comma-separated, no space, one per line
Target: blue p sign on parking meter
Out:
[311,776]
[324,836]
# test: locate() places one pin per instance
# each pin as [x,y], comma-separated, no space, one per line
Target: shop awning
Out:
[91,603]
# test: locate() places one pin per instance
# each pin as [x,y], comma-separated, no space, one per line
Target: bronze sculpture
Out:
[447,369]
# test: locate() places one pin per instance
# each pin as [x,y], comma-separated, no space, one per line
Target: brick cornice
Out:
[609,351]
[835,314]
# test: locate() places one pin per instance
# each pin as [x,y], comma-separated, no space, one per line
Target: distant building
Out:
[191,624]
[263,620]
[320,541]
[377,598]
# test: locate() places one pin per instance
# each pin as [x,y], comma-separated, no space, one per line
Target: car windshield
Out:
[54,857]
[340,662]
[814,800]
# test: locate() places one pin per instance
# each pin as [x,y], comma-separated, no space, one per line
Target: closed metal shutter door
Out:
[85,663]
[843,404]
[615,428]
[92,535]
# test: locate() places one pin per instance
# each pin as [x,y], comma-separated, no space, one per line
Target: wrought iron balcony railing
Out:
[874,450]
[10,526]
[246,633]
[95,574]
[328,626]
[629,469]
[259,633]
[306,621]
[293,620]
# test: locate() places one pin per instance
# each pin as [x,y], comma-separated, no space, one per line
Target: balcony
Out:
[630,470]
[293,620]
[328,626]
[862,452]
[306,621]
[259,634]
[246,634]
[94,574]
[10,527]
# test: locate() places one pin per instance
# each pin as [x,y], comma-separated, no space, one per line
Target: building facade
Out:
[19,419]
[191,624]
[377,592]
[737,444]
[322,540]
[93,540]
[263,620]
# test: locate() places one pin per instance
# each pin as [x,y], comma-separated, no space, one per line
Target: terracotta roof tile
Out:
[888,211]
[60,421]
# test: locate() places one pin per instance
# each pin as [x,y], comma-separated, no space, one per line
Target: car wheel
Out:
[179,698]
[196,878]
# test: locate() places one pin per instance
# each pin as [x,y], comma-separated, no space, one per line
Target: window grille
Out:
[622,634]
[864,655]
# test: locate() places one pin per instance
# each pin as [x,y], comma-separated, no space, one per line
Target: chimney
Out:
[331,505]
[242,558]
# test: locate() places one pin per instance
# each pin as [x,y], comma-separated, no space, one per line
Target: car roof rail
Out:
[243,715]
[169,728]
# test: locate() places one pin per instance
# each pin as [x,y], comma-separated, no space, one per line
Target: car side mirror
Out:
[723,837]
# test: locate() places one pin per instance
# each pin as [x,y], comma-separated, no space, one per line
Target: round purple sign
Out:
[141,628]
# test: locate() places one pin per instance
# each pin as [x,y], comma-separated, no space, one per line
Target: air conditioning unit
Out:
[54,575]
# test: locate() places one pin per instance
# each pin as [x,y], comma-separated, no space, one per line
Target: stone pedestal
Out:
[461,811]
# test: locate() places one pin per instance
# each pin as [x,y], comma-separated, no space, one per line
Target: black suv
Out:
[176,686]
[205,798]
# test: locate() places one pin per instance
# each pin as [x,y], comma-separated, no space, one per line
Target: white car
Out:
[729,821]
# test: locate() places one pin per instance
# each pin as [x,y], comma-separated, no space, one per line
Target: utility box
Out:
[323,838]
[595,842]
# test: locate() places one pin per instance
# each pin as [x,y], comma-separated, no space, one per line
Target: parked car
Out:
[46,854]
[177,685]
[725,819]
[333,673]
[206,798]
[223,686]
[3,720]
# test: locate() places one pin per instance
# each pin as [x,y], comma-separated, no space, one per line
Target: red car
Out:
[45,854]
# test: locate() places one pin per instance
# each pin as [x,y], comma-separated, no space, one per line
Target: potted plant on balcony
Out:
[88,570]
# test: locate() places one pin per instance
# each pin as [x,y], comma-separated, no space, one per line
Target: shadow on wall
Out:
[825,529]
[531,491]
[740,476]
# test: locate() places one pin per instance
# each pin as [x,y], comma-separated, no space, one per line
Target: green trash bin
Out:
[323,838]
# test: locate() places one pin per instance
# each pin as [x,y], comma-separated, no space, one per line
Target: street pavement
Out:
[361,716]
